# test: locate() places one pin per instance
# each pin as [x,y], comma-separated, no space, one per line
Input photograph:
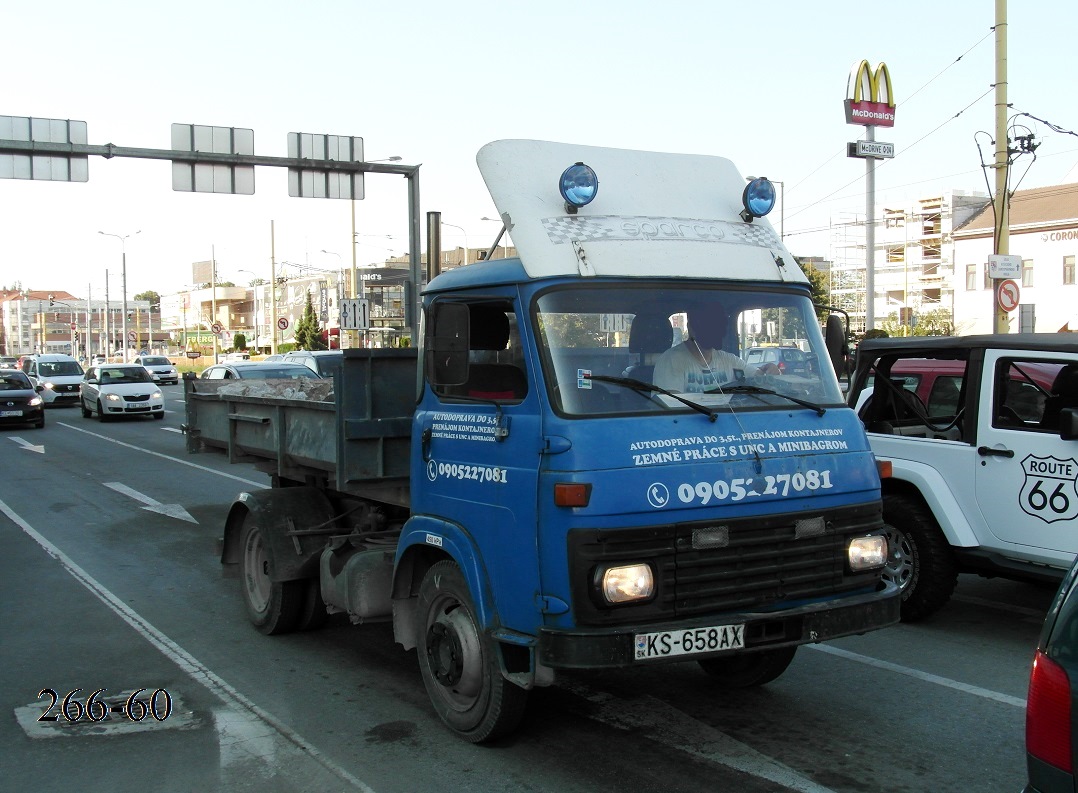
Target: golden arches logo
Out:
[870,99]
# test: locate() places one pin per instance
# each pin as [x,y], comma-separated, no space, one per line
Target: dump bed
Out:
[358,443]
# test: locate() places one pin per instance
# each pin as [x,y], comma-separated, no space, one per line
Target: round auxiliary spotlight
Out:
[578,186]
[758,198]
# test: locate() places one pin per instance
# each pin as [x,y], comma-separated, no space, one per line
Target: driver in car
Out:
[699,363]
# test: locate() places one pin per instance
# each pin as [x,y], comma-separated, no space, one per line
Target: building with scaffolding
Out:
[914,260]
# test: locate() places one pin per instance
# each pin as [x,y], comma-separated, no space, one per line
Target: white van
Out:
[61,376]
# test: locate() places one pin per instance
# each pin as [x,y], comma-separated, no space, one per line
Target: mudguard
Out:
[453,541]
[948,513]
[278,512]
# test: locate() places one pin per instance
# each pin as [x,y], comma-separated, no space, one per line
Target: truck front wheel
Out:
[272,606]
[459,663]
[919,558]
[745,670]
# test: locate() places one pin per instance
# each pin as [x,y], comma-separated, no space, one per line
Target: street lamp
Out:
[465,233]
[123,250]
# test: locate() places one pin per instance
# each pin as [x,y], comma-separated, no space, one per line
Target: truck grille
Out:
[753,564]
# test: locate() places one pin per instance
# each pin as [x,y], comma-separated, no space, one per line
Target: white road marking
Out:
[153,505]
[26,445]
[675,728]
[243,709]
[173,429]
[926,677]
[259,485]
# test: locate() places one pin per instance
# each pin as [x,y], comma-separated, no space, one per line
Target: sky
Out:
[431,82]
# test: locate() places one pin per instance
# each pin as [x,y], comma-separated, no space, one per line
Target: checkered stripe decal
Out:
[568,229]
[751,234]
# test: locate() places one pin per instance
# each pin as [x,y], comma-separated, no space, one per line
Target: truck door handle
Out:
[984,451]
[424,443]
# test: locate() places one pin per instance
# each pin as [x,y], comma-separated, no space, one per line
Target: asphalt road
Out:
[108,579]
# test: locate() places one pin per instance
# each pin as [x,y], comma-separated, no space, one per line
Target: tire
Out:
[40,425]
[101,412]
[159,416]
[313,615]
[459,662]
[746,670]
[86,412]
[919,559]
[273,607]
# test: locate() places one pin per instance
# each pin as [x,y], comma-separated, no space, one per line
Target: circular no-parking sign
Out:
[282,323]
[217,327]
[1007,297]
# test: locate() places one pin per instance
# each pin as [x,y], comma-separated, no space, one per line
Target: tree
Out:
[932,323]
[239,342]
[308,334]
[149,295]
[817,282]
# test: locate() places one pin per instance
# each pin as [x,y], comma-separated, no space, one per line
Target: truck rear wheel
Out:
[272,606]
[746,670]
[459,663]
[919,558]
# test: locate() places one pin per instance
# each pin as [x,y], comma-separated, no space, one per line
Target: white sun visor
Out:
[649,214]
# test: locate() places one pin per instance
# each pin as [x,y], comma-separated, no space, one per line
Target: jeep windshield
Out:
[689,339]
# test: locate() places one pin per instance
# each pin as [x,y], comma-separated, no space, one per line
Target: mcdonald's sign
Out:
[870,102]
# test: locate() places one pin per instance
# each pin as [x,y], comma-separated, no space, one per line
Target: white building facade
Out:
[1044,233]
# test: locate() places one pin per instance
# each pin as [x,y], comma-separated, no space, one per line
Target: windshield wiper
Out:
[640,385]
[755,389]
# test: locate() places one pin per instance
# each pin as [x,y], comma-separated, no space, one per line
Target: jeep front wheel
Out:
[919,561]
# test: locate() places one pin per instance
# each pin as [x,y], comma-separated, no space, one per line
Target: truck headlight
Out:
[867,553]
[627,583]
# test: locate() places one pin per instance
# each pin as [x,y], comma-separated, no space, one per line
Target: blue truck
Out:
[528,491]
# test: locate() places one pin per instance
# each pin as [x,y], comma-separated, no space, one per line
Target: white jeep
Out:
[982,436]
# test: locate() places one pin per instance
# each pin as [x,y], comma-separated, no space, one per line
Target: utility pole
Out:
[1002,199]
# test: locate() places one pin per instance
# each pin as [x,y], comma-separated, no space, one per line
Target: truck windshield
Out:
[704,343]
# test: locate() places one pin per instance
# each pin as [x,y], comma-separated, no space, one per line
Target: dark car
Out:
[257,370]
[1050,707]
[20,400]
[324,363]
[789,360]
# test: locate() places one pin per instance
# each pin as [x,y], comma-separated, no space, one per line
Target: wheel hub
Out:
[445,654]
[899,567]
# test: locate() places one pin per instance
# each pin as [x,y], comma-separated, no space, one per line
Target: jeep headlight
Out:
[867,553]
[627,583]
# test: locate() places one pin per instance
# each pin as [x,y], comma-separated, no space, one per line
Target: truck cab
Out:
[601,518]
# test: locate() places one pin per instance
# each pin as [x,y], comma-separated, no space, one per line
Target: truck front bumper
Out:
[598,648]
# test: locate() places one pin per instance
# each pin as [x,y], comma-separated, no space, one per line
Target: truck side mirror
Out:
[446,356]
[835,341]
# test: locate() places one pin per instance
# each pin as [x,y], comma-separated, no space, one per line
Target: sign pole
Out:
[870,235]
[1002,200]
